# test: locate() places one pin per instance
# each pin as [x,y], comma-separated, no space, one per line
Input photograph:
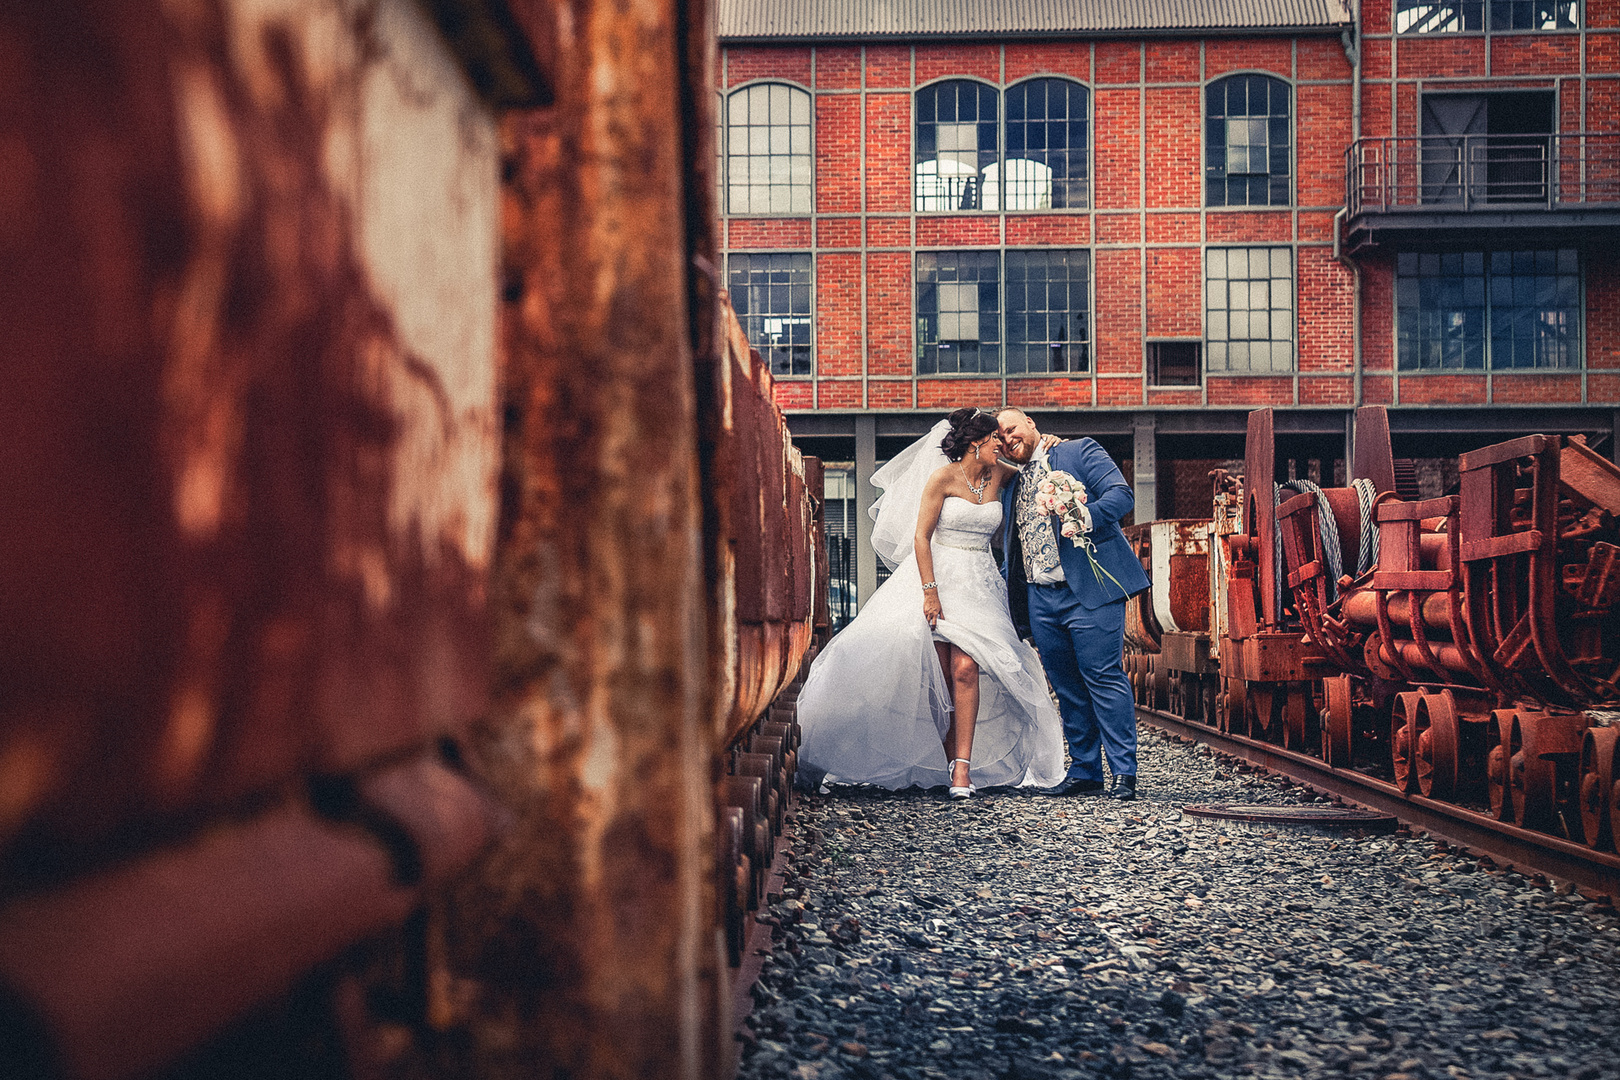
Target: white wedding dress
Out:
[875,707]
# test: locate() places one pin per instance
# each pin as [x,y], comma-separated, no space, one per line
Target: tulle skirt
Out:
[875,706]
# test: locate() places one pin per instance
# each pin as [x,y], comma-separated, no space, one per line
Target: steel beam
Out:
[1145,468]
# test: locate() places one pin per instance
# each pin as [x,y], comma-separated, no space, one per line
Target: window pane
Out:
[768,139]
[1051,307]
[1046,140]
[958,312]
[1248,118]
[772,297]
[1439,16]
[1529,300]
[955,147]
[1248,310]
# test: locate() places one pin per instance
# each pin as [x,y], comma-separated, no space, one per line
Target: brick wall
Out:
[1147,226]
[1399,67]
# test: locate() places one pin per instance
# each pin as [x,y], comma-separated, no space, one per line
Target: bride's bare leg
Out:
[943,648]
[965,692]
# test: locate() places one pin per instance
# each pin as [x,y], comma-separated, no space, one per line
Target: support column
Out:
[1145,468]
[1349,445]
[865,496]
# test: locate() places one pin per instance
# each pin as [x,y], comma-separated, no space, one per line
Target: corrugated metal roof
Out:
[759,20]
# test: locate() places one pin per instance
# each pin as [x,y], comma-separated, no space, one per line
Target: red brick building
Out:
[1134,221]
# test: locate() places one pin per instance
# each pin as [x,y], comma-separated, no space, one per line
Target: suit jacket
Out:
[1108,498]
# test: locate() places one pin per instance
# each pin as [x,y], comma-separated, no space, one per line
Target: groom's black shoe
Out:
[1124,788]
[1075,785]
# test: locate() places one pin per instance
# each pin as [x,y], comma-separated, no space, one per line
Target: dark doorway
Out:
[1487,148]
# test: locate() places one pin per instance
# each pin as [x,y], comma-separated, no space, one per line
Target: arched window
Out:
[1247,140]
[955,145]
[1046,165]
[768,167]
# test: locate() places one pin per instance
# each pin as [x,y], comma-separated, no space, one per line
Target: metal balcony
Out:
[1441,191]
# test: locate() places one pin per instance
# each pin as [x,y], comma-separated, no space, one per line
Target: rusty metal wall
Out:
[249,269]
[586,944]
[391,483]
[251,401]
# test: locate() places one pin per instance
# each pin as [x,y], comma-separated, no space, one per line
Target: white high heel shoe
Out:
[960,792]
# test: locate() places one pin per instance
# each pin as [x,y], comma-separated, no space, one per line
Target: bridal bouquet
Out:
[1061,494]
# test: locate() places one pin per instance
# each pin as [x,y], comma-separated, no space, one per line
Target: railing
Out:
[1483,172]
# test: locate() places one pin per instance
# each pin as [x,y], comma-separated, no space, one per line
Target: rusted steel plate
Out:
[129,968]
[1373,457]
[251,356]
[749,485]
[1595,479]
[587,941]
[1180,573]
[1141,627]
[1259,512]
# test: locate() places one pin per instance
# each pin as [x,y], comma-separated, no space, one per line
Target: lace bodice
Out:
[963,524]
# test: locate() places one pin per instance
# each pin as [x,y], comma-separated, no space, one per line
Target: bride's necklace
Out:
[977,489]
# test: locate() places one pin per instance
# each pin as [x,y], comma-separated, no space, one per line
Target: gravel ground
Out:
[1018,936]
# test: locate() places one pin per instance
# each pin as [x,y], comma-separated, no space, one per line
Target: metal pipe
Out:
[1361,610]
[1352,52]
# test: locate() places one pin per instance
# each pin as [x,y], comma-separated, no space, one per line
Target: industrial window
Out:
[1247,142]
[1048,300]
[958,312]
[1500,309]
[771,295]
[1046,160]
[955,145]
[1460,16]
[1249,310]
[768,150]
[1175,363]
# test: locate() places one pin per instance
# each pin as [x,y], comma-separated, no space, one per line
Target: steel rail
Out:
[1595,873]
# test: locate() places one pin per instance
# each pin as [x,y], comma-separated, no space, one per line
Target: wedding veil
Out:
[894,514]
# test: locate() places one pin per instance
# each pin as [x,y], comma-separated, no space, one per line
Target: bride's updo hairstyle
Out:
[967,427]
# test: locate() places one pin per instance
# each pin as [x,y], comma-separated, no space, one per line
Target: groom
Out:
[1075,616]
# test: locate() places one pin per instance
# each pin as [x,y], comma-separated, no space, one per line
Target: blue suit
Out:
[1078,626]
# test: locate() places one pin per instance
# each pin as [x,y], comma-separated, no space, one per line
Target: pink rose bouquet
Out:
[1062,495]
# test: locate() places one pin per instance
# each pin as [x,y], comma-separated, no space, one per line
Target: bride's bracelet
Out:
[930,584]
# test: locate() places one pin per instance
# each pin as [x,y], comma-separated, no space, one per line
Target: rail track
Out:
[1594,873]
[1450,661]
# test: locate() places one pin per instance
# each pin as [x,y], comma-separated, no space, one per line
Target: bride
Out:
[930,683]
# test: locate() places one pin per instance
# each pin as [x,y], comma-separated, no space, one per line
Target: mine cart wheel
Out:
[735,881]
[1598,750]
[1614,810]
[1177,700]
[1234,708]
[1535,780]
[1439,746]
[763,849]
[1158,683]
[1403,739]
[1295,713]
[1265,705]
[1498,766]
[1256,704]
[1337,723]
[1212,695]
[1614,796]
